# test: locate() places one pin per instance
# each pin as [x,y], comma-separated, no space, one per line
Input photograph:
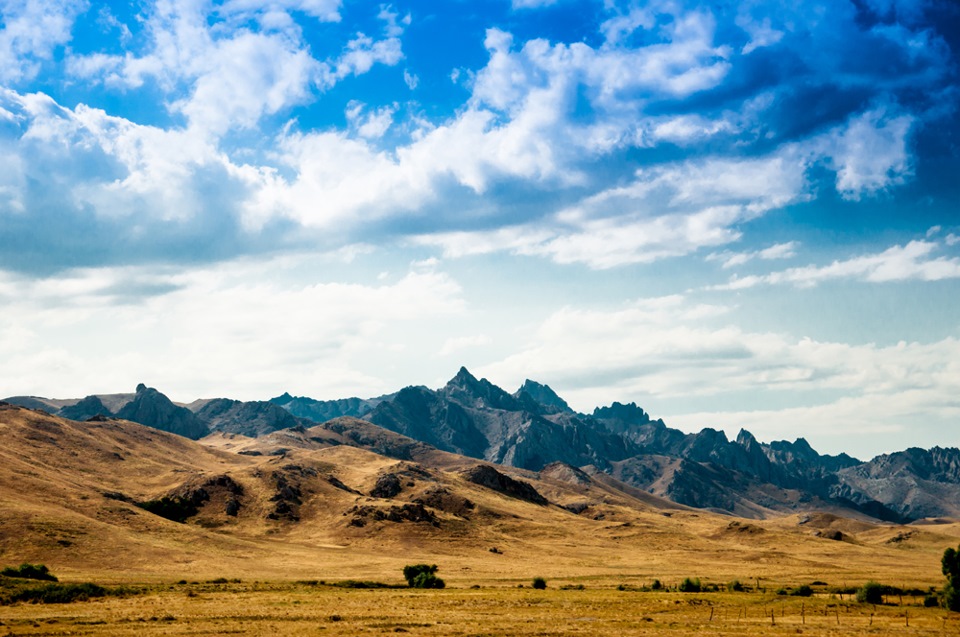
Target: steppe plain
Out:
[69,492]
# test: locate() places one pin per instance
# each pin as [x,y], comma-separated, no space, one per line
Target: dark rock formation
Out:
[486,476]
[151,408]
[246,418]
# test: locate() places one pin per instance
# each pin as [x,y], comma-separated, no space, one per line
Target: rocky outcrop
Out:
[486,476]
[151,408]
[323,410]
[246,418]
[85,409]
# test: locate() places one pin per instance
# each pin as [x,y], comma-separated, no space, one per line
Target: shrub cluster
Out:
[422,576]
[539,583]
[54,593]
[29,571]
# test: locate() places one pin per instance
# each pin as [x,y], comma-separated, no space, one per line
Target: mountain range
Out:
[534,429]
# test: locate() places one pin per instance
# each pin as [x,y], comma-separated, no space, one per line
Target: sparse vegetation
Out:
[539,583]
[736,586]
[802,591]
[58,593]
[30,571]
[951,570]
[422,576]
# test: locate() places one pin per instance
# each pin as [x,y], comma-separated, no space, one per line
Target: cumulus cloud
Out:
[231,77]
[31,33]
[666,136]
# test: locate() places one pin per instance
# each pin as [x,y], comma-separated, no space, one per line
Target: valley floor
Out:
[301,608]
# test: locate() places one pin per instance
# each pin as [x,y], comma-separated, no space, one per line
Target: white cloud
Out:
[870,154]
[32,31]
[262,321]
[786,250]
[914,261]
[370,125]
[410,79]
[231,77]
[666,212]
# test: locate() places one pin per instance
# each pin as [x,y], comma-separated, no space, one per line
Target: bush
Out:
[657,585]
[690,585]
[428,580]
[870,593]
[802,591]
[422,576]
[951,570]
[931,601]
[30,571]
[539,583]
[736,586]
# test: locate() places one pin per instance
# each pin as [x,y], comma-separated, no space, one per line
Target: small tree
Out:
[870,593]
[422,576]
[539,583]
[951,570]
[690,585]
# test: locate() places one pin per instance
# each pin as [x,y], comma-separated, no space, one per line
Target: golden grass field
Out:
[59,486]
[293,609]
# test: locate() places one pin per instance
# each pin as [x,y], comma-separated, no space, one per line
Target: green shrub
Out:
[656,585]
[782,591]
[57,593]
[427,580]
[690,585]
[539,583]
[30,571]
[951,570]
[802,591]
[411,571]
[871,593]
[422,576]
[736,586]
[931,601]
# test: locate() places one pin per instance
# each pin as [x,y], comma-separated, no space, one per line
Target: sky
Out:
[735,214]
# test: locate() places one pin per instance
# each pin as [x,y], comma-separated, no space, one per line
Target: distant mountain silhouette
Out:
[534,427]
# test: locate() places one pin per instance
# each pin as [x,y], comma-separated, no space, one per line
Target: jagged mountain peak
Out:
[282,399]
[466,388]
[626,413]
[745,438]
[542,394]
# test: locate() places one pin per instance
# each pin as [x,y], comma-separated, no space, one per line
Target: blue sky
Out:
[735,214]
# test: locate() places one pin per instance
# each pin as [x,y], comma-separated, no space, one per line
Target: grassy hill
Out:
[297,505]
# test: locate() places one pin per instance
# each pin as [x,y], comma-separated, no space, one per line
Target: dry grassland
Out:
[299,609]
